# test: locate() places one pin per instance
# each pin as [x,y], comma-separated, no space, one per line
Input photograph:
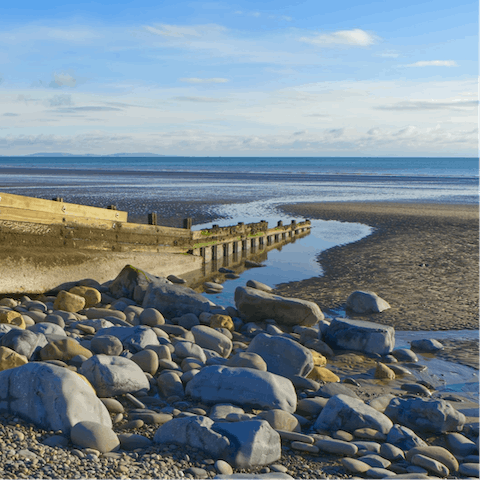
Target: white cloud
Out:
[177,31]
[63,79]
[388,55]
[204,80]
[354,37]
[434,63]
[60,100]
[199,99]
[430,105]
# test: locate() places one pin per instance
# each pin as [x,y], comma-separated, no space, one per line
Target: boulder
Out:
[129,279]
[64,349]
[342,412]
[91,295]
[252,443]
[259,285]
[106,344]
[256,305]
[89,434]
[151,317]
[68,302]
[170,384]
[192,432]
[211,339]
[282,355]
[24,342]
[366,302]
[111,376]
[437,453]
[174,300]
[425,415]
[243,386]
[11,317]
[51,397]
[247,359]
[222,321]
[322,374]
[404,438]
[362,336]
[189,349]
[426,345]
[147,360]
[280,420]
[48,329]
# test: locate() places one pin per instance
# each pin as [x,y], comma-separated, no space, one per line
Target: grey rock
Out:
[320,347]
[367,337]
[437,453]
[106,344]
[280,420]
[244,386]
[147,360]
[175,300]
[189,349]
[170,384]
[258,285]
[331,389]
[405,355]
[132,338]
[366,302]
[220,411]
[47,329]
[391,452]
[426,345]
[128,279]
[151,317]
[112,375]
[248,360]
[88,434]
[337,447]
[132,441]
[346,413]
[24,342]
[311,407]
[256,305]
[283,356]
[425,415]
[188,321]
[460,445]
[252,443]
[51,397]
[470,470]
[404,438]
[211,339]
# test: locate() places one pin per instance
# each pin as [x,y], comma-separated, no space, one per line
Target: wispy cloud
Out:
[434,63]
[430,105]
[355,38]
[8,114]
[179,31]
[204,80]
[87,109]
[199,99]
[63,79]
[60,100]
[388,55]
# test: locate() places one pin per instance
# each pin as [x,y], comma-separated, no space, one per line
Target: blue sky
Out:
[270,78]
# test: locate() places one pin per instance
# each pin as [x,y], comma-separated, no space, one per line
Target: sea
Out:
[249,189]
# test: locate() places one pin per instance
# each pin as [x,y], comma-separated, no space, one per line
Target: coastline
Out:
[421,258]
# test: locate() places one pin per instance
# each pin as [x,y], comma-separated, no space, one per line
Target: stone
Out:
[11,359]
[222,321]
[54,318]
[211,339]
[405,355]
[416,389]
[362,336]
[113,406]
[51,397]
[129,280]
[247,359]
[111,375]
[64,349]
[346,413]
[11,317]
[376,472]
[56,441]
[190,350]
[175,279]
[48,329]
[256,305]
[251,443]
[89,434]
[370,434]
[188,321]
[192,432]
[391,452]
[283,356]
[425,415]
[332,389]
[132,441]
[91,295]
[337,447]
[170,384]
[24,342]
[244,386]
[296,437]
[320,347]
[220,411]
[132,338]
[174,300]
[280,420]
[355,466]
[302,383]
[305,447]
[223,467]
[151,317]
[318,359]
[105,313]
[311,407]
[471,470]
[426,345]
[106,345]
[381,403]
[383,372]
[147,360]
[430,464]
[322,374]
[365,447]
[375,460]
[404,438]
[68,302]
[440,454]
[366,302]
[259,286]
[460,445]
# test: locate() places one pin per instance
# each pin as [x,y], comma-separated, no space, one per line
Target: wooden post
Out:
[187,223]
[152,218]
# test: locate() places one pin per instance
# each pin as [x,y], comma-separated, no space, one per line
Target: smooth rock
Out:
[430,464]
[211,339]
[132,338]
[68,302]
[322,374]
[346,413]
[89,434]
[366,302]
[355,466]
[391,452]
[426,345]
[311,407]
[460,445]
[427,415]
[91,295]
[190,350]
[11,317]
[132,441]
[244,386]
[256,305]
[470,470]
[376,461]
[384,372]
[129,281]
[48,329]
[283,356]
[331,389]
[151,317]
[223,467]
[362,336]
[113,406]
[147,360]
[170,384]
[222,321]
[337,447]
[51,397]
[416,389]
[248,360]
[440,454]
[11,359]
[280,420]
[64,349]
[112,375]
[405,355]
[24,342]
[106,345]
[259,285]
[188,321]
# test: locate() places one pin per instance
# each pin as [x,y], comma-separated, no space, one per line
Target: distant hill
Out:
[60,154]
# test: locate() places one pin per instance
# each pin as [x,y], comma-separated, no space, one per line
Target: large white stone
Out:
[256,305]
[51,397]
[366,302]
[111,375]
[243,386]
[342,412]
[368,337]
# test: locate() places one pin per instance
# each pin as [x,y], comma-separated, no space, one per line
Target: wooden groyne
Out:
[46,242]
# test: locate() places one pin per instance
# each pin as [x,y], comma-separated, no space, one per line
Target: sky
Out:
[240,78]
